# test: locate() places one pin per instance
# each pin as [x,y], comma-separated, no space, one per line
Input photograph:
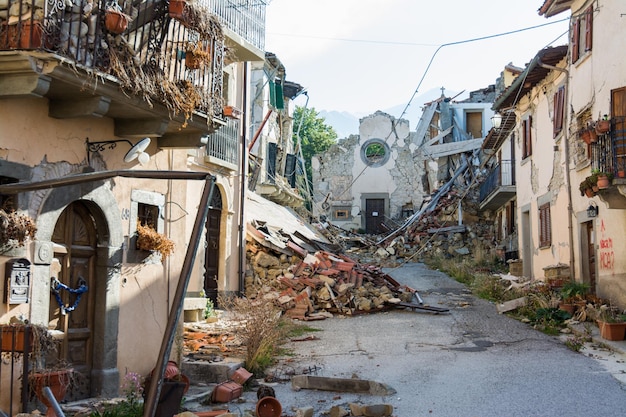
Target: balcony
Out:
[222,147]
[499,186]
[244,24]
[142,77]
[608,154]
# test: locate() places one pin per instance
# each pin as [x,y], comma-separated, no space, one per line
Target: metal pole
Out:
[156,381]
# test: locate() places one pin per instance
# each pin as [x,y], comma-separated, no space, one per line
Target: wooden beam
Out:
[452,148]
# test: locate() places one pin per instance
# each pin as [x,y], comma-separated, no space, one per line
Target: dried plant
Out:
[15,228]
[149,239]
[260,329]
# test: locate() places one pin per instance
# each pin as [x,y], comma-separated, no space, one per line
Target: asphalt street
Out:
[471,361]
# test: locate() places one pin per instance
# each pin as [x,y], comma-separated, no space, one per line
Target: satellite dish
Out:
[139,152]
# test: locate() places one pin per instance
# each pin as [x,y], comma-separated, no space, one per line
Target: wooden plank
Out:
[439,137]
[424,123]
[453,148]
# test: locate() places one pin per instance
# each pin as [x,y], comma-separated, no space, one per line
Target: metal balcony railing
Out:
[224,144]
[149,55]
[501,175]
[245,18]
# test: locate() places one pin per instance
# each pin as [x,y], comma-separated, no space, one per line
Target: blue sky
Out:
[366,55]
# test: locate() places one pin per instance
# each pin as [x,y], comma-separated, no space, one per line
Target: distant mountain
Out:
[346,124]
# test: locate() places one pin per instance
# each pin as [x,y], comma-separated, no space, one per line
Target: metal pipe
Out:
[53,402]
[568,185]
[177,305]
[242,183]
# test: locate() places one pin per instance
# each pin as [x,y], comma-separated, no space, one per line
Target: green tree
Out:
[312,134]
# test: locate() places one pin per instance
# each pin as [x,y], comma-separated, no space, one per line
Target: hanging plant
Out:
[15,228]
[150,239]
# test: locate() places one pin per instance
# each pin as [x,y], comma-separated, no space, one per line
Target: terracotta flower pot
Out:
[115,21]
[612,331]
[176,8]
[58,381]
[268,407]
[31,35]
[603,182]
[603,126]
[8,344]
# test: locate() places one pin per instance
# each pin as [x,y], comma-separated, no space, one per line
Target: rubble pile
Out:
[310,287]
[439,232]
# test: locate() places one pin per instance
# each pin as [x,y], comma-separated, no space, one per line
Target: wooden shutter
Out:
[588,28]
[527,145]
[545,226]
[559,102]
[272,150]
[575,38]
[290,169]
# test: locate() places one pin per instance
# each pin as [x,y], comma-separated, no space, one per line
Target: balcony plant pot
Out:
[585,135]
[603,126]
[612,331]
[603,182]
[57,380]
[176,9]
[268,407]
[31,34]
[232,112]
[192,61]
[115,21]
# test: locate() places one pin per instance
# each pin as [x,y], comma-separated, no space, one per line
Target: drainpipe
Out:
[570,209]
[242,183]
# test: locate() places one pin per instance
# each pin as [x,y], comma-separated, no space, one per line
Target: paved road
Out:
[469,362]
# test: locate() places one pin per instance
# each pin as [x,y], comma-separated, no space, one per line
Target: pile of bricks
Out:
[309,288]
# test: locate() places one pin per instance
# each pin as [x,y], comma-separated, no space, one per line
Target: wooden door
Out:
[374,215]
[474,124]
[72,314]
[211,261]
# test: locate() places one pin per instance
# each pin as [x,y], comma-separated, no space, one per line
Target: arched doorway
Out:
[211,259]
[72,314]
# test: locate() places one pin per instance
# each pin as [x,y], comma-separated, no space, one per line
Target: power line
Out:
[374,41]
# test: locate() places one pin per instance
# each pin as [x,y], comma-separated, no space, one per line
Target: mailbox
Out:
[17,280]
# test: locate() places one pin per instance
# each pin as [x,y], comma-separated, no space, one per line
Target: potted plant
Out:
[603,179]
[573,295]
[603,125]
[612,323]
[586,188]
[196,55]
[115,20]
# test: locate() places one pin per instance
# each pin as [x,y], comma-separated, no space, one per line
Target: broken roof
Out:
[531,76]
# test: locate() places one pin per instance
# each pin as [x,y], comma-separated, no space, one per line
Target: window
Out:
[545,227]
[527,145]
[341,215]
[375,152]
[474,124]
[147,215]
[582,34]
[557,119]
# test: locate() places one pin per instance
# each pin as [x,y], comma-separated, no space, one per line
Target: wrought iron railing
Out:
[150,55]
[501,175]
[224,143]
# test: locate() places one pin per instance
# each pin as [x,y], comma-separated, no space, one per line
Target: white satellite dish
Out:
[138,151]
